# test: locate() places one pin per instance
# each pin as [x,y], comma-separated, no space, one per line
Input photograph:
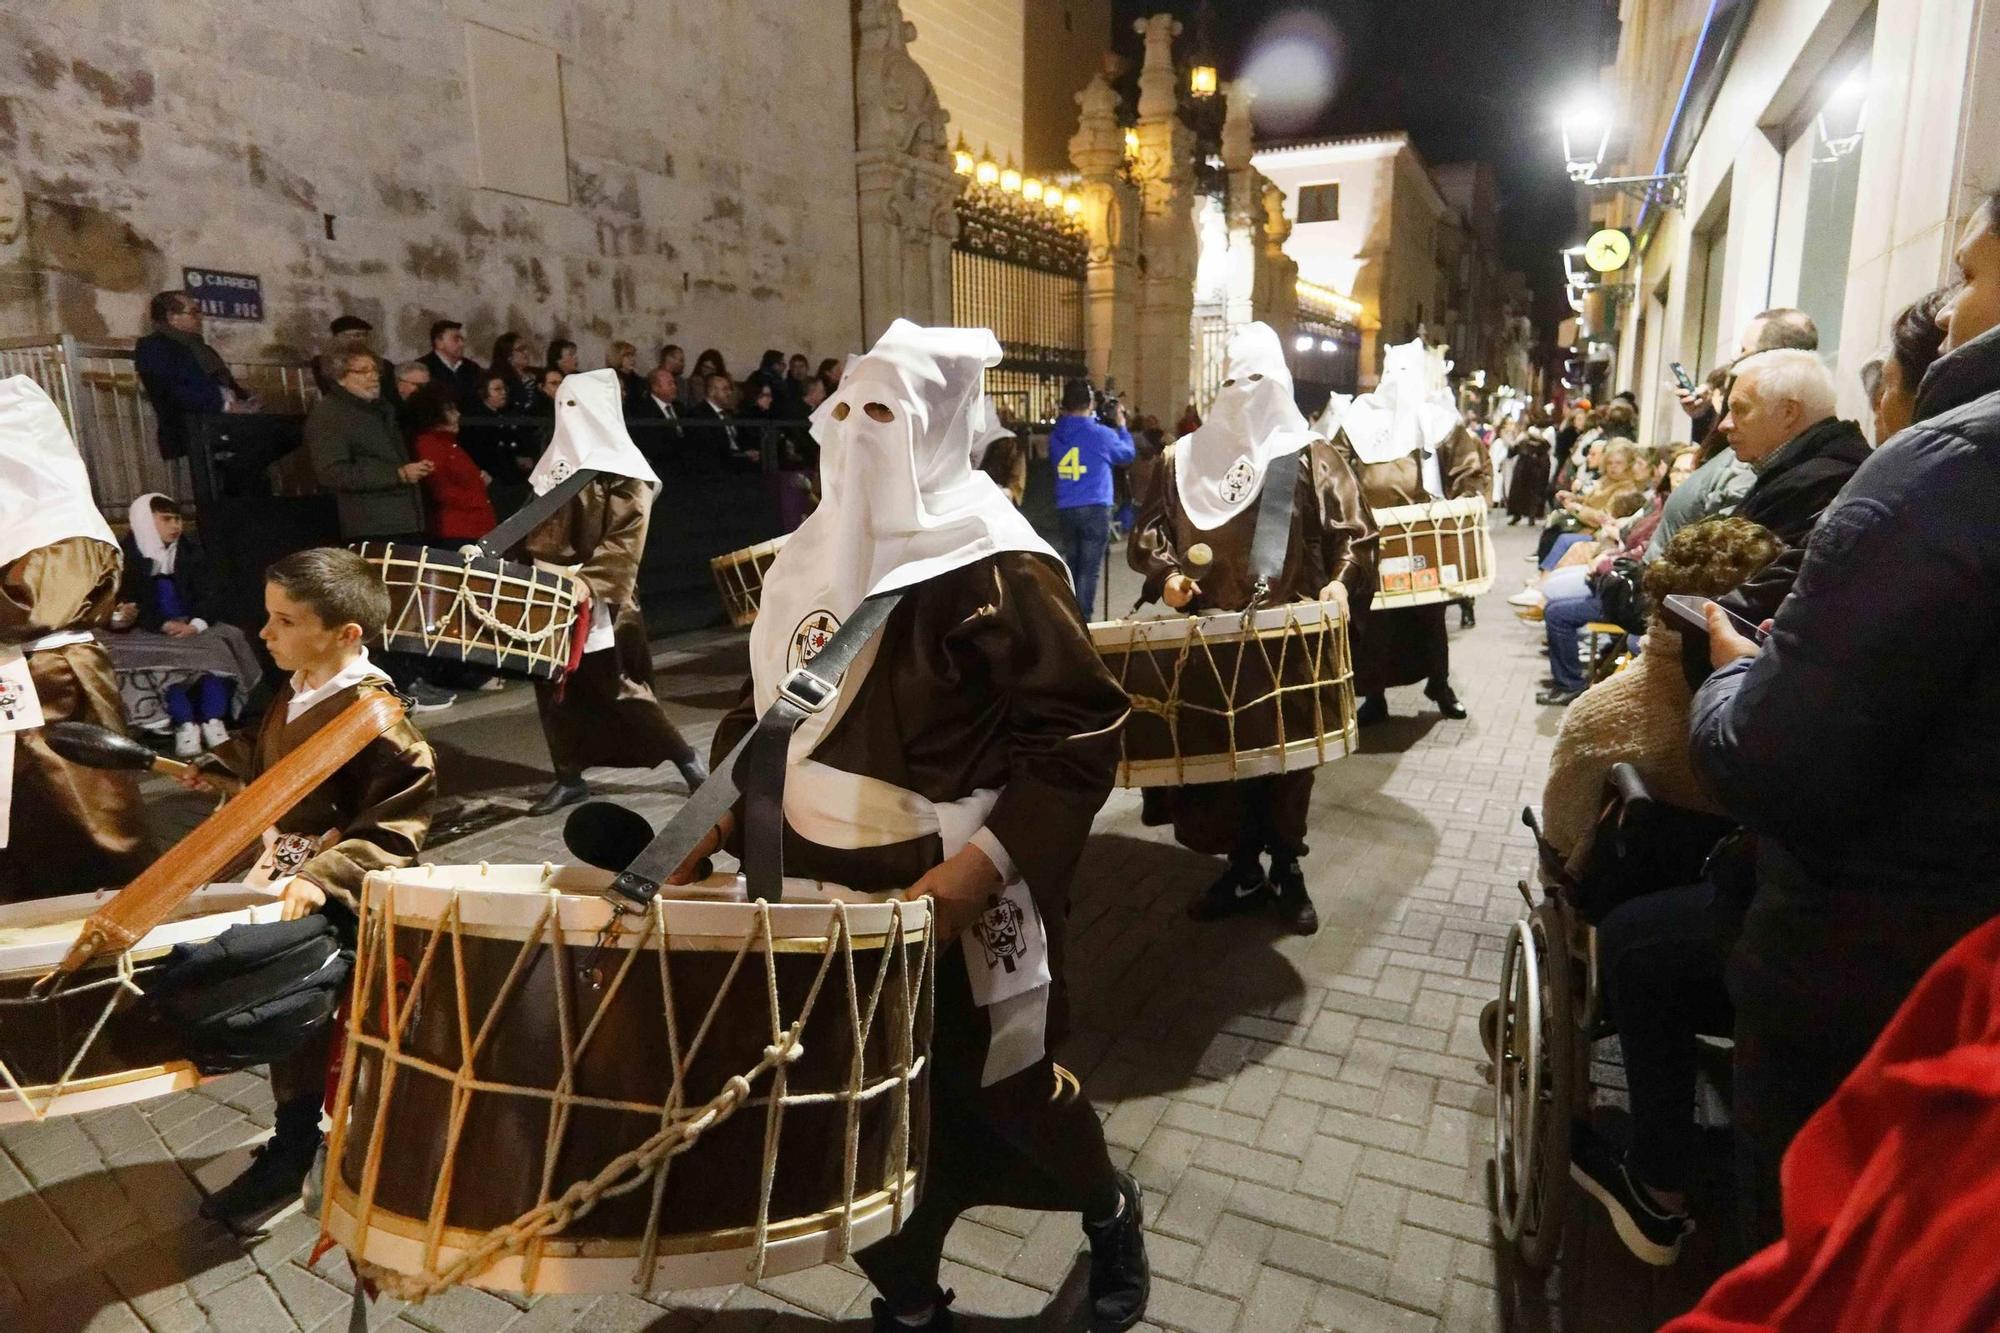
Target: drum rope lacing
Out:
[122,982]
[679,1132]
[432,633]
[1453,526]
[1170,703]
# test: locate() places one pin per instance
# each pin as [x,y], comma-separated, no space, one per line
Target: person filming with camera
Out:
[1085,446]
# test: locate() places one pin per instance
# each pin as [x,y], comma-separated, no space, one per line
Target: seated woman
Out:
[1635,519]
[177,670]
[1660,955]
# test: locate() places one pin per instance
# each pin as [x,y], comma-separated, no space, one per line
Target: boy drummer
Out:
[321,606]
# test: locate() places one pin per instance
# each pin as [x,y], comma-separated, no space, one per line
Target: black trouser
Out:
[1030,1141]
[298,1086]
[1660,960]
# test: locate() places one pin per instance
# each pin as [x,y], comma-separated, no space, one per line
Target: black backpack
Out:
[1621,594]
[254,993]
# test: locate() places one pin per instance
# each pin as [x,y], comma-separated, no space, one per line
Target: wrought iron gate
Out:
[1020,272]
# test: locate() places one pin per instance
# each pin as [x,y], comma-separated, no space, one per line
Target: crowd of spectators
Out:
[1838,710]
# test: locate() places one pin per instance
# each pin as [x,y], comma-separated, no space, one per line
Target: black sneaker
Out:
[1120,1278]
[1648,1231]
[1295,905]
[939,1322]
[1242,888]
[272,1180]
[1375,708]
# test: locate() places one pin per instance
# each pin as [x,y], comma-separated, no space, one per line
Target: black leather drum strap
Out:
[1273,537]
[531,515]
[756,768]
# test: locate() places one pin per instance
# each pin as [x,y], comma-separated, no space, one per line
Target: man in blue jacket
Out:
[1084,450]
[1858,743]
[181,373]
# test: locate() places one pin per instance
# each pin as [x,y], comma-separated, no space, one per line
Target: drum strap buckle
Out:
[806,692]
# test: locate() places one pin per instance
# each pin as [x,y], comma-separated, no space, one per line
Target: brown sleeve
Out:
[69,584]
[1063,718]
[1348,535]
[398,788]
[1466,471]
[1150,548]
[611,569]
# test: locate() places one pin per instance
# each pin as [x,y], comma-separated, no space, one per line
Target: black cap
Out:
[349,323]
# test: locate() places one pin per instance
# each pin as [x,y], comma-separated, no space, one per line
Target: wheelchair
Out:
[1539,1032]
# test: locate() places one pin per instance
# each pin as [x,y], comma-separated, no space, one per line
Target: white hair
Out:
[1790,374]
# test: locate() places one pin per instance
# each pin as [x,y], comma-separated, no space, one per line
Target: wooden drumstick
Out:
[101,747]
[1199,555]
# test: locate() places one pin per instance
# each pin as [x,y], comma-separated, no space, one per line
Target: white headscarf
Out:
[987,428]
[1219,467]
[1410,409]
[146,534]
[44,489]
[901,503]
[590,433]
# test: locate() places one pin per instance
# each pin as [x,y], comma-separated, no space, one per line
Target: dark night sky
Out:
[1467,79]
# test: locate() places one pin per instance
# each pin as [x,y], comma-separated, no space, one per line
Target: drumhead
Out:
[35,935]
[1215,626]
[749,554]
[508,902]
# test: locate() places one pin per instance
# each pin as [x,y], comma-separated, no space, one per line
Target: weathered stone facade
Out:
[329,149]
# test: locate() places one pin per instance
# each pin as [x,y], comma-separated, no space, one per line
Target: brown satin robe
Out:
[380,801]
[606,711]
[1408,644]
[984,678]
[74,829]
[1333,537]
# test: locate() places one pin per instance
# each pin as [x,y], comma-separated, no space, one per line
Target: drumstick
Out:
[1199,555]
[100,747]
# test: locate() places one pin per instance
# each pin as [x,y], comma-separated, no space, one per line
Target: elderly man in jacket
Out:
[1858,742]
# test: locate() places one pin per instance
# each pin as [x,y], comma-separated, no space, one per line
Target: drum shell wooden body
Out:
[708,1209]
[1436,552]
[513,618]
[1219,697]
[739,579]
[135,1055]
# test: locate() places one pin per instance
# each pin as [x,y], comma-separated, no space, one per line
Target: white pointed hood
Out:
[987,428]
[901,503]
[44,489]
[590,433]
[1409,410]
[1219,467]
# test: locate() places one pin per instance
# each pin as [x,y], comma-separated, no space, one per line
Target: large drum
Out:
[1436,552]
[95,1042]
[510,617]
[1223,696]
[563,1099]
[739,578]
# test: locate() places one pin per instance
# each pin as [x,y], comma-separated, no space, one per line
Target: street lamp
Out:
[1587,117]
[987,172]
[1031,189]
[961,157]
[1010,177]
[1202,81]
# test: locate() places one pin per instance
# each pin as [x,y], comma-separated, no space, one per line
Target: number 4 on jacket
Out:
[1071,467]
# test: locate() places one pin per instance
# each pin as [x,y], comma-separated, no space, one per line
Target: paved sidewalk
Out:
[1309,1117]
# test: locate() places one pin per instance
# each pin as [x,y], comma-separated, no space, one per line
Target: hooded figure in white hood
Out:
[964,757]
[1207,493]
[605,712]
[63,828]
[1409,446]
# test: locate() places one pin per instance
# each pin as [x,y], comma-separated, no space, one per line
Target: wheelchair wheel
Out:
[1534,1086]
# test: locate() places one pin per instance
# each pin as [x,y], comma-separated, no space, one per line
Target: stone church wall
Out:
[710,171]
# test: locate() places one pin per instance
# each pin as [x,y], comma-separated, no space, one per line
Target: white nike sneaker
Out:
[187,741]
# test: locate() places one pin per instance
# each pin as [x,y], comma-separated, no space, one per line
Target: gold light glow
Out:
[1052,199]
[1326,297]
[1010,177]
[1201,81]
[1072,204]
[1031,189]
[1131,142]
[961,158]
[987,171]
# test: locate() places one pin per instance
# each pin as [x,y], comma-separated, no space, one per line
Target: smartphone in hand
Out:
[1681,377]
[1687,613]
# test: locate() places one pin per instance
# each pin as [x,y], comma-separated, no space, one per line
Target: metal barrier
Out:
[95,386]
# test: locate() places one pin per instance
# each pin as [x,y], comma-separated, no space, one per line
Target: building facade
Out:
[1831,150]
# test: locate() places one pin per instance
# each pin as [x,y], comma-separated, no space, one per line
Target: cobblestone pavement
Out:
[1308,1116]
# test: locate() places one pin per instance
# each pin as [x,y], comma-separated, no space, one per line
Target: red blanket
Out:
[1892,1190]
